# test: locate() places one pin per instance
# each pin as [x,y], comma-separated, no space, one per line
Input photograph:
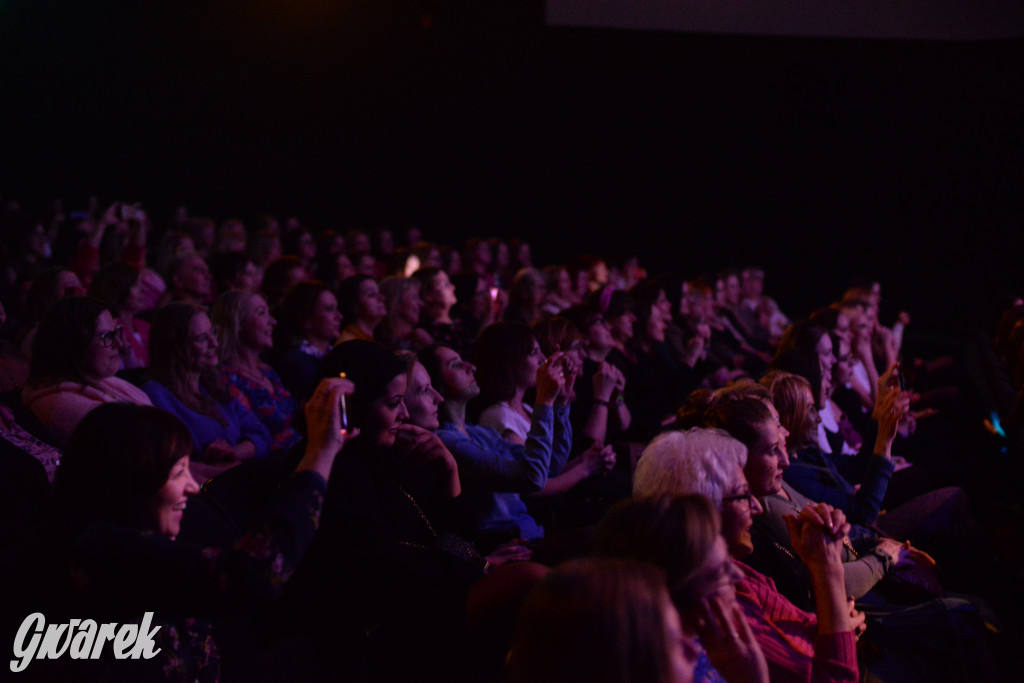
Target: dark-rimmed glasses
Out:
[112,337]
[744,495]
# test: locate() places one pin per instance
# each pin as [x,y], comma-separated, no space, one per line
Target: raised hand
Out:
[325,437]
[551,379]
[730,643]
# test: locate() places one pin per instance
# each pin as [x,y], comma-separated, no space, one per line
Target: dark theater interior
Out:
[512,340]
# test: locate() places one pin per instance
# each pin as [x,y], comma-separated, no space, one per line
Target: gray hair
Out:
[703,461]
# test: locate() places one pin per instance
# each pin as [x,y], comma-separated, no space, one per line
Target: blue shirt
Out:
[494,471]
[241,424]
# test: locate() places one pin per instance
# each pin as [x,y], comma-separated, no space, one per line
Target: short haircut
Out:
[117,459]
[703,461]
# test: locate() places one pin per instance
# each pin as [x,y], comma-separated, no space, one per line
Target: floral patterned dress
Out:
[274,407]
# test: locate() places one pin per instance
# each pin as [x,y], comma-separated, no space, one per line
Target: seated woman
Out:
[508,356]
[438,295]
[749,416]
[245,330]
[183,364]
[827,477]
[507,359]
[120,497]
[681,534]
[76,352]
[559,290]
[393,580]
[601,620]
[657,384]
[798,646]
[308,325]
[938,521]
[599,410]
[478,305]
[400,330]
[118,286]
[47,287]
[362,308]
[526,297]
[495,470]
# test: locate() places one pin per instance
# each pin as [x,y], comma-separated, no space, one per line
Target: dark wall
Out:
[817,158]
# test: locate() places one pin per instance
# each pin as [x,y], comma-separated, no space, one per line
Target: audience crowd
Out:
[358,455]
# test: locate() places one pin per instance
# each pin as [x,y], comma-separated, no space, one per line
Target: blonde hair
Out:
[226,318]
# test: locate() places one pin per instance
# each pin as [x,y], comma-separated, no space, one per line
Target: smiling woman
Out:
[184,359]
[384,568]
[244,331]
[120,496]
[76,352]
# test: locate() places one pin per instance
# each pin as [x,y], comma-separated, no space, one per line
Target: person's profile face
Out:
[257,328]
[421,399]
[102,357]
[202,344]
[167,507]
[387,413]
[458,376]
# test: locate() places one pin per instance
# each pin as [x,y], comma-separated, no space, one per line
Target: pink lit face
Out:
[167,507]
[599,336]
[387,413]
[99,361]
[194,278]
[767,459]
[370,303]
[622,326]
[324,322]
[526,368]
[202,344]
[843,369]
[656,324]
[457,375]
[257,328]
[421,399]
[409,305]
[738,518]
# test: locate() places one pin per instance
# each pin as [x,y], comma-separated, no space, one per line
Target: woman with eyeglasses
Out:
[75,354]
[183,364]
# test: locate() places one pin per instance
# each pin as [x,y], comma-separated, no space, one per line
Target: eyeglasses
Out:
[112,337]
[745,495]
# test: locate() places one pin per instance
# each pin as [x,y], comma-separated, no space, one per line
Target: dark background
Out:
[816,158]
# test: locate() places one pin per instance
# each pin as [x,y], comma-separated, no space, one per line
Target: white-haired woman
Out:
[798,645]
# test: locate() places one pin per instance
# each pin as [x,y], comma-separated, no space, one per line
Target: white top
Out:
[501,418]
[859,375]
[829,423]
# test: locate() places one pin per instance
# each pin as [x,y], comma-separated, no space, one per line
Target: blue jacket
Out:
[494,471]
[821,478]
